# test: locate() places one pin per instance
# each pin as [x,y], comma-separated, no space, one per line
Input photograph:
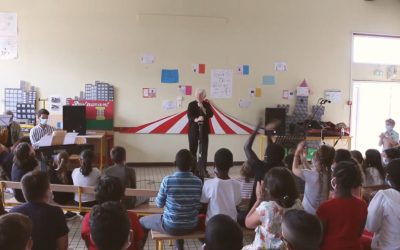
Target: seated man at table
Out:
[42,129]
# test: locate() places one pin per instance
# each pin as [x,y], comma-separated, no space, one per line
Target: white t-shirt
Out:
[313,195]
[383,220]
[372,177]
[85,181]
[222,197]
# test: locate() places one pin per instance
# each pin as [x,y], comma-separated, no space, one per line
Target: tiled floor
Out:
[148,178]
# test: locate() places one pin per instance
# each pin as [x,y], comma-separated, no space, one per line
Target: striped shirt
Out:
[246,188]
[38,132]
[180,196]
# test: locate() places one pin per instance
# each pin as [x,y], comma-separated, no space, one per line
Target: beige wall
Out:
[65,44]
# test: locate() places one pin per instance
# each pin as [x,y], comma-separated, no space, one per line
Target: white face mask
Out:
[333,183]
[389,128]
[43,121]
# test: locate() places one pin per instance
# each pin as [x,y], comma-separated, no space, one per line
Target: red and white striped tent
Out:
[220,124]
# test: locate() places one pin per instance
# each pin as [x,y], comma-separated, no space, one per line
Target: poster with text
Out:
[221,83]
[8,36]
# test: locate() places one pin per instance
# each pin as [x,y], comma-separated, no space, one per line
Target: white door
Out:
[373,103]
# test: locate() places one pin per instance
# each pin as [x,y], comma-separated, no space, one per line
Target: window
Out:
[376,49]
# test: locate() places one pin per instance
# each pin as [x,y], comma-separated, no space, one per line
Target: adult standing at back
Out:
[42,129]
[126,175]
[389,138]
[13,129]
[199,112]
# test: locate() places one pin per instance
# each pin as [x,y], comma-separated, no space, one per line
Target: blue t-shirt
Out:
[180,195]
[48,224]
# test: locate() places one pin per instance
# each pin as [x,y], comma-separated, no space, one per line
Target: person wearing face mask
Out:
[343,217]
[199,112]
[42,128]
[390,138]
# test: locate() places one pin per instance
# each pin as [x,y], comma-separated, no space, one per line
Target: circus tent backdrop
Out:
[220,124]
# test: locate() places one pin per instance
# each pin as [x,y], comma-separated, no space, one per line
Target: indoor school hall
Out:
[213,125]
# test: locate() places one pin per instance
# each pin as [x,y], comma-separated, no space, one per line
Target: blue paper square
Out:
[268,80]
[246,69]
[169,76]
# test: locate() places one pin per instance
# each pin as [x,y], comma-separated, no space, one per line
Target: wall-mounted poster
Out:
[221,83]
[99,114]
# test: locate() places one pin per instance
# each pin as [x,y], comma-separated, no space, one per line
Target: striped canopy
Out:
[220,124]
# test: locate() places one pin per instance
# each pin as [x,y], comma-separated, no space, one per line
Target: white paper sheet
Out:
[169,105]
[8,36]
[45,141]
[244,104]
[334,96]
[147,59]
[70,138]
[281,66]
[303,91]
[221,83]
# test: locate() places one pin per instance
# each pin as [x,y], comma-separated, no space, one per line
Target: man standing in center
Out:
[199,112]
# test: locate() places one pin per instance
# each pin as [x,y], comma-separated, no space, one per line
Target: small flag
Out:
[199,68]
[243,69]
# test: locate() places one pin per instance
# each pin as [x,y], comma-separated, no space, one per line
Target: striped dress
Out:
[180,194]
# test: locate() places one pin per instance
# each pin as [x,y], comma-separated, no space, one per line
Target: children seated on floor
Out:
[301,230]
[15,232]
[110,229]
[110,188]
[50,231]
[179,195]
[384,213]
[221,195]
[275,195]
[223,233]
[343,217]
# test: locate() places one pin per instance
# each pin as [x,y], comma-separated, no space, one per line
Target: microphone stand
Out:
[200,163]
[321,102]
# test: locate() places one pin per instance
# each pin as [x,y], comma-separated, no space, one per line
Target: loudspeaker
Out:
[74,119]
[276,115]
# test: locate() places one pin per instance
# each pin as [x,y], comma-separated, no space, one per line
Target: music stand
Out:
[200,163]
[5,120]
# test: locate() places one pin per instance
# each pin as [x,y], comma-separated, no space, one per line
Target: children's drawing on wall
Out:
[221,83]
[169,76]
[268,80]
[281,67]
[185,89]
[147,58]
[244,104]
[149,92]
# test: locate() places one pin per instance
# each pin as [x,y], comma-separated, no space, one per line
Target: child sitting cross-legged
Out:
[221,194]
[275,195]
